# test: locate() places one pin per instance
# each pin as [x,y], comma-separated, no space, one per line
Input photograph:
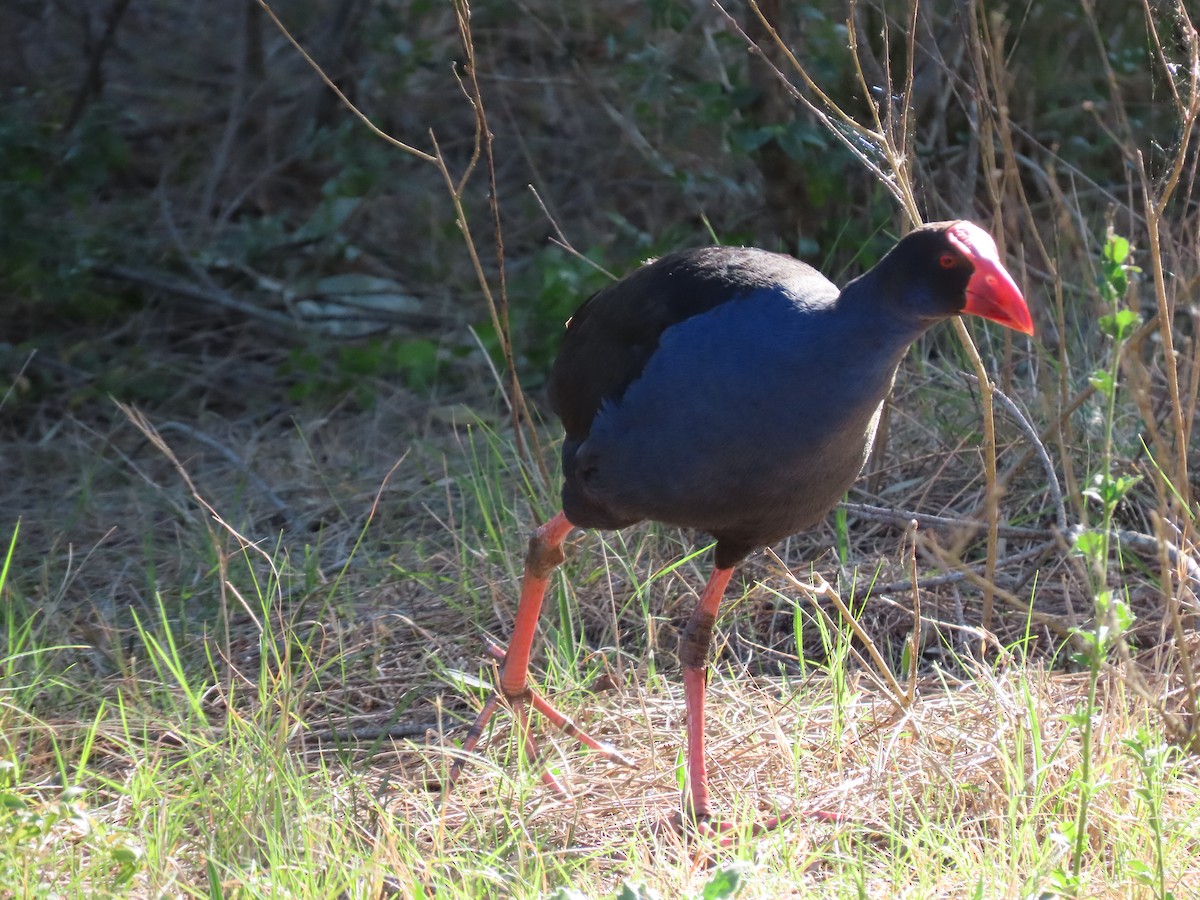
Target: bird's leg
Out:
[544,556]
[693,653]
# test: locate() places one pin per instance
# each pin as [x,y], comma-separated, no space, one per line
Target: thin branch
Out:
[896,177]
[346,101]
[521,416]
[954,577]
[839,123]
[823,588]
[239,99]
[949,560]
[1038,449]
[901,518]
[212,294]
[560,239]
[92,82]
[263,488]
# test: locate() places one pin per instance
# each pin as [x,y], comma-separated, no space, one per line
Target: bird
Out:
[734,391]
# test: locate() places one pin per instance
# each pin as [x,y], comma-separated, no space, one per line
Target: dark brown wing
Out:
[615,332]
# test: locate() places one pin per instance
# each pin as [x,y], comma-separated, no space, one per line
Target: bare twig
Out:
[914,649]
[93,81]
[522,418]
[1177,561]
[887,161]
[866,145]
[367,731]
[245,79]
[1156,202]
[561,239]
[212,294]
[359,114]
[18,377]
[823,588]
[901,518]
[143,424]
[208,440]
[946,559]
[1037,448]
[954,577]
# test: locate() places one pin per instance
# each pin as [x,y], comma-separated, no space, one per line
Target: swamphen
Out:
[735,391]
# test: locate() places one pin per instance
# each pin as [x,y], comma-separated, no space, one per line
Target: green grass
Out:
[176,787]
[202,764]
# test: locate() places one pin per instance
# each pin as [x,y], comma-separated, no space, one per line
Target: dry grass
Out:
[340,679]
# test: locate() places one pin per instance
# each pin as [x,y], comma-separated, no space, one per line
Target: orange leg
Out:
[694,650]
[545,554]
[697,638]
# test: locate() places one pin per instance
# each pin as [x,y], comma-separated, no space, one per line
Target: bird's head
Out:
[949,268]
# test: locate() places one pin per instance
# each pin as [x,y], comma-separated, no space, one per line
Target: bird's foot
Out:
[722,832]
[520,703]
[726,834]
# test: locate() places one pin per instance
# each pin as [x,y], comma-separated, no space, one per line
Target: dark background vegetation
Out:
[177,181]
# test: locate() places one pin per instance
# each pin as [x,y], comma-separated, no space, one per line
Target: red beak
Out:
[991,292]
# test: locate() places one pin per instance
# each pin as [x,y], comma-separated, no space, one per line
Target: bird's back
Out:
[614,333]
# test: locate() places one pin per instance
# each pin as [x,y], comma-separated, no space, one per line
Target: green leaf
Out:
[1122,615]
[726,882]
[126,854]
[1090,544]
[1083,659]
[1064,883]
[634,891]
[11,801]
[463,681]
[1109,489]
[1120,324]
[1077,718]
[327,218]
[1103,382]
[1142,872]
[1116,249]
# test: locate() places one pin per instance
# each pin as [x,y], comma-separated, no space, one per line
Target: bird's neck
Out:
[875,304]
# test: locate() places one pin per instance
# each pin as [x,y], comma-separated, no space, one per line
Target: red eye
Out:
[948,261]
